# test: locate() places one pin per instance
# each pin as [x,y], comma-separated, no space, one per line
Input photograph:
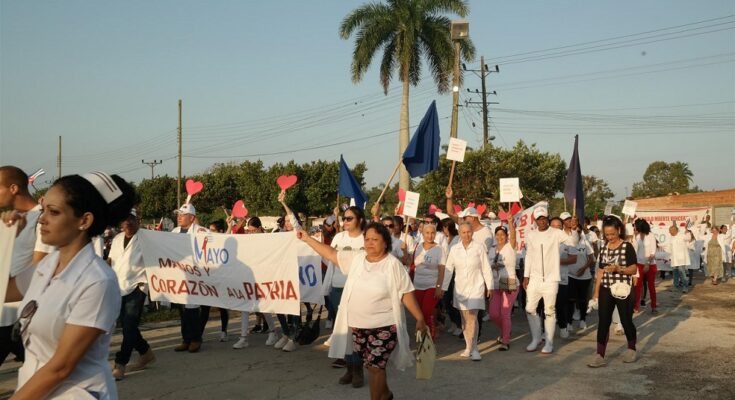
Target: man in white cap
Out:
[28,248]
[480,233]
[191,326]
[541,277]
[126,259]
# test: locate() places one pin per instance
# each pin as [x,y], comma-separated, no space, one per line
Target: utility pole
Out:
[58,159]
[455,91]
[178,179]
[483,72]
[152,164]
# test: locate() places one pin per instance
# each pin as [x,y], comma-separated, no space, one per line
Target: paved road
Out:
[687,351]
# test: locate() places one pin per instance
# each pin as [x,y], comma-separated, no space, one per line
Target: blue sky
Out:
[258,78]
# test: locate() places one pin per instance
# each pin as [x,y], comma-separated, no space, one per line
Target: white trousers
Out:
[537,290]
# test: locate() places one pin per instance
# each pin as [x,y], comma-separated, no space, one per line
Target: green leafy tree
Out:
[662,178]
[406,31]
[157,197]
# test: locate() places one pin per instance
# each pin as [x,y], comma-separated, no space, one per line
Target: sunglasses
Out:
[389,225]
[27,314]
[348,219]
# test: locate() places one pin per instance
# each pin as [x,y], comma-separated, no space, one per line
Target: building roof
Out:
[718,198]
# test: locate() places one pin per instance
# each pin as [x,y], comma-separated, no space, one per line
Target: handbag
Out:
[412,267]
[620,290]
[508,284]
[425,356]
[310,331]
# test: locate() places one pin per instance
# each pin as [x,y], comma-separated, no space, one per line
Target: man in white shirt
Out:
[28,249]
[126,259]
[678,250]
[191,325]
[541,277]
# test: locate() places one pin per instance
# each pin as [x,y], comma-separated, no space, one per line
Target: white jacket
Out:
[678,249]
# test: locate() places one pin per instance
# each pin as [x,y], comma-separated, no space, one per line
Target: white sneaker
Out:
[548,348]
[465,354]
[486,318]
[564,333]
[281,342]
[290,346]
[272,339]
[475,355]
[328,324]
[582,326]
[576,316]
[241,343]
[223,336]
[457,332]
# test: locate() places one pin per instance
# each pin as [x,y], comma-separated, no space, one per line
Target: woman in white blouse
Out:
[71,300]
[505,282]
[428,280]
[473,282]
[371,319]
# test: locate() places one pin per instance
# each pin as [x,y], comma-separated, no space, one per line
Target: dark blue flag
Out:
[348,185]
[573,187]
[422,154]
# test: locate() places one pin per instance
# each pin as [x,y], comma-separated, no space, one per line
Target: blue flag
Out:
[348,185]
[573,187]
[422,154]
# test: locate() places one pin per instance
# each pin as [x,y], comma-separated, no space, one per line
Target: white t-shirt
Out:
[370,307]
[427,266]
[645,248]
[342,241]
[85,293]
[485,236]
[584,251]
[26,243]
[396,247]
[564,252]
[127,262]
[542,254]
[507,258]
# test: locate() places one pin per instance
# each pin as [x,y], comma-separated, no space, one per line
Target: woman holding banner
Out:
[71,300]
[371,313]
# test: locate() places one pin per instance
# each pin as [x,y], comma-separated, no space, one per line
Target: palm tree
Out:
[405,30]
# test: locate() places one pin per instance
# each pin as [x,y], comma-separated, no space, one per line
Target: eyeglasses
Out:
[348,219]
[27,314]
[389,226]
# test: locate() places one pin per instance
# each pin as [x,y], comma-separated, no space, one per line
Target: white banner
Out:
[525,223]
[7,240]
[684,218]
[235,272]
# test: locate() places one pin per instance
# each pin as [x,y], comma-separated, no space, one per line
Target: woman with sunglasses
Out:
[617,266]
[350,238]
[71,300]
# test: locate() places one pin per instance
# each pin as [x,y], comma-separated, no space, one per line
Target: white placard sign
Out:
[510,190]
[608,208]
[629,208]
[411,204]
[456,149]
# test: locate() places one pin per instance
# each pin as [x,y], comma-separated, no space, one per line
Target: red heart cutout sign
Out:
[239,210]
[471,205]
[286,182]
[502,215]
[401,195]
[193,187]
[481,209]
[457,208]
[432,209]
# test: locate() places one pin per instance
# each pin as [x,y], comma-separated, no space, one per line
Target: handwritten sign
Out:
[411,205]
[629,208]
[456,149]
[608,208]
[510,190]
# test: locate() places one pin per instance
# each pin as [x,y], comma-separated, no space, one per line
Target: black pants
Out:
[449,305]
[191,327]
[224,319]
[578,290]
[607,304]
[563,317]
[131,310]
[7,346]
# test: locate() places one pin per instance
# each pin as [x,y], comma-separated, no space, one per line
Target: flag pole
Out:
[451,173]
[574,208]
[387,184]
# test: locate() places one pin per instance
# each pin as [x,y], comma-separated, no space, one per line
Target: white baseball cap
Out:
[565,215]
[491,215]
[539,212]
[186,209]
[469,212]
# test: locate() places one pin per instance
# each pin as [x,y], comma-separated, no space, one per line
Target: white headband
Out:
[104,184]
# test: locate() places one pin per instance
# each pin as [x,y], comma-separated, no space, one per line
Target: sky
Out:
[638,81]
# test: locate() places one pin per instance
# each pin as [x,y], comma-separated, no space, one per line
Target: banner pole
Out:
[387,184]
[451,173]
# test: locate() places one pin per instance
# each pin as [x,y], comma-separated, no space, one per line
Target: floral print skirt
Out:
[375,344]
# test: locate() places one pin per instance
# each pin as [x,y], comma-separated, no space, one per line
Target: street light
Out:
[459,30]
